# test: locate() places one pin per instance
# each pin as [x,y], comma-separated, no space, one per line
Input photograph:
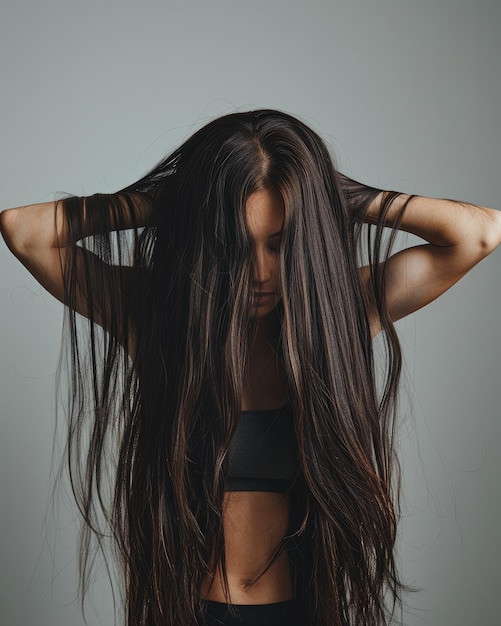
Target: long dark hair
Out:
[151,423]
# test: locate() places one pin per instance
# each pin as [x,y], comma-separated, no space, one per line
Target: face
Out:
[265,216]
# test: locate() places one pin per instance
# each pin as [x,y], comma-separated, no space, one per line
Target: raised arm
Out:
[44,238]
[45,225]
[459,235]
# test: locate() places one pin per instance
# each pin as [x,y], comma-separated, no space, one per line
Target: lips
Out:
[260,297]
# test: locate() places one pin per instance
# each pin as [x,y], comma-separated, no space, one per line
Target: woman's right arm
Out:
[40,236]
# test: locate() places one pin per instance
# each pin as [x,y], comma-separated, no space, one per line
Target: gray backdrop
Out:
[406,93]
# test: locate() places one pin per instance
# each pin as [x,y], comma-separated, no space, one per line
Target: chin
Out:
[263,311]
[260,313]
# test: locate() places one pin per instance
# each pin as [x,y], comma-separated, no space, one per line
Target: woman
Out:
[231,394]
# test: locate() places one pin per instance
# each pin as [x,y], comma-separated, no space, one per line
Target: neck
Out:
[266,329]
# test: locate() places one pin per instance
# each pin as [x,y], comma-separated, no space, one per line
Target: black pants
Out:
[276,614]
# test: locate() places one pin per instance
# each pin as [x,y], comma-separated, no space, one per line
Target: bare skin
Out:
[254,523]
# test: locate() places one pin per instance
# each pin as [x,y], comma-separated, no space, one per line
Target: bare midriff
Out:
[254,524]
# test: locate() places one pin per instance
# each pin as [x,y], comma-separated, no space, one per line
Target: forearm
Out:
[47,225]
[441,222]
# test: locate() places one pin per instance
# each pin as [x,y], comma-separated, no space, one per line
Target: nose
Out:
[262,271]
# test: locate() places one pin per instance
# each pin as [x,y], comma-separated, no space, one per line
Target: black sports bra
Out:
[263,454]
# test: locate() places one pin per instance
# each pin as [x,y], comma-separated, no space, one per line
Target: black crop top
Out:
[263,454]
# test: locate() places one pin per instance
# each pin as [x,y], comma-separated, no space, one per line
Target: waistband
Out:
[274,614]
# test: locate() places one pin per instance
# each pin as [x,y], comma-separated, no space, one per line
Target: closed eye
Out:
[276,237]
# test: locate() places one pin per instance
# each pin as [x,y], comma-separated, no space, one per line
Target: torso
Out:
[255,522]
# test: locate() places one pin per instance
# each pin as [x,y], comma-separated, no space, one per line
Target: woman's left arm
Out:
[459,235]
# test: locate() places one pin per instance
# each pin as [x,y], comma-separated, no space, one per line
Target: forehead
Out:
[264,211]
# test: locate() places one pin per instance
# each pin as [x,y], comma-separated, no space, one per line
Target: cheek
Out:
[275,273]
[278,284]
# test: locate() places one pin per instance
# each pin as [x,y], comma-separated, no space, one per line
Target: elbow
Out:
[4,217]
[17,233]
[481,233]
[7,219]
[491,236]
